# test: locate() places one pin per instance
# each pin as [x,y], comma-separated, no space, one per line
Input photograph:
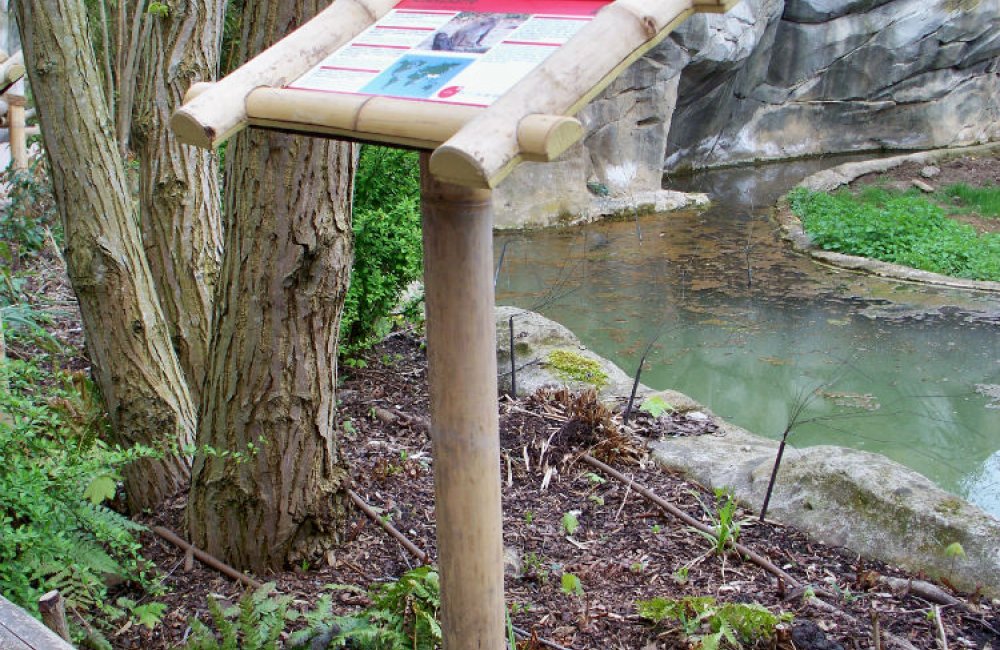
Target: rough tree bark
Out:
[127,335]
[269,393]
[179,185]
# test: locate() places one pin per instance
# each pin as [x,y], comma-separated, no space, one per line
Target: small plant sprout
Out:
[595,479]
[529,517]
[954,552]
[656,528]
[637,567]
[680,576]
[713,625]
[596,499]
[570,523]
[571,585]
[656,406]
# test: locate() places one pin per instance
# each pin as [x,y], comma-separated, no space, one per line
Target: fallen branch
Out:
[389,528]
[205,558]
[922,589]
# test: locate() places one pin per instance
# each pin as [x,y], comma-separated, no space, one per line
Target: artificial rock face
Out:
[776,79]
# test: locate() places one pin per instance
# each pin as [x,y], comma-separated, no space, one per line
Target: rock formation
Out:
[776,79]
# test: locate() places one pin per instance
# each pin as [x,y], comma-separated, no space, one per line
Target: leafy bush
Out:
[387,242]
[54,532]
[29,212]
[255,623]
[900,228]
[714,624]
[404,616]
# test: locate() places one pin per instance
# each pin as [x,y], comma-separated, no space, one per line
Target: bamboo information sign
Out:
[478,86]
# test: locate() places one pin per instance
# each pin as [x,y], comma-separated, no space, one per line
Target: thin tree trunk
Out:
[269,393]
[127,336]
[179,185]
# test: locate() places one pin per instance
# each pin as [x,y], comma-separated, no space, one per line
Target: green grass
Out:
[984,201]
[903,228]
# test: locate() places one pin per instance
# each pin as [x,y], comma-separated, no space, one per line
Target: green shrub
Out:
[29,211]
[904,229]
[387,242]
[255,623]
[713,625]
[54,531]
[404,616]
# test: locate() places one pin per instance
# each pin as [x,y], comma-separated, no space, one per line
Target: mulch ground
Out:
[625,549]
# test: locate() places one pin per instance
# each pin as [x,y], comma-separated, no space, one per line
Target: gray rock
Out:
[863,501]
[535,339]
[930,171]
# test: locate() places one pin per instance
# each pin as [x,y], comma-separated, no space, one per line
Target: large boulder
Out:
[851,498]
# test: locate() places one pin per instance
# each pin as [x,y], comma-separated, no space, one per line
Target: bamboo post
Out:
[53,610]
[18,137]
[461,344]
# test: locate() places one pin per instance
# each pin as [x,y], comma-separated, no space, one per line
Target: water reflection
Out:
[754,331]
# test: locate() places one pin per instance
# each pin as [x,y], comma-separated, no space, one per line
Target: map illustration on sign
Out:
[451,51]
[416,76]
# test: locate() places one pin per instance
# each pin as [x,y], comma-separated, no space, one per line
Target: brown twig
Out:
[942,637]
[524,634]
[205,558]
[389,528]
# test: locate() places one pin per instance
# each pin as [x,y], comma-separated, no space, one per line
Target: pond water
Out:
[767,338]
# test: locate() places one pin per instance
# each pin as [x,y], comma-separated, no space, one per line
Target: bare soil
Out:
[972,171]
[625,548]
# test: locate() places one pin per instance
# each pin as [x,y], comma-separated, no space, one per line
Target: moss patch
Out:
[571,366]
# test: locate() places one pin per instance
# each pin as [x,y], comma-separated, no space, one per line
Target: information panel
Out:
[466,52]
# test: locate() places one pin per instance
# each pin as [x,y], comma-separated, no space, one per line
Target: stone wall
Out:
[776,79]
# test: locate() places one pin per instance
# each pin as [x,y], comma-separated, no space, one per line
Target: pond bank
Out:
[859,500]
[847,173]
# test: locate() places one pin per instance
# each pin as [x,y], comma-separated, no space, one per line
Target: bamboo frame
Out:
[18,131]
[219,112]
[11,70]
[475,147]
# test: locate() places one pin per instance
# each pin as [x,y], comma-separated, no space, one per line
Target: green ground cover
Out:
[905,228]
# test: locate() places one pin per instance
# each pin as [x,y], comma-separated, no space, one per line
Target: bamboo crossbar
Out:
[11,70]
[401,122]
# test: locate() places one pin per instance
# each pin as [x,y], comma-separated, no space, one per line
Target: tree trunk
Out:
[127,335]
[269,393]
[179,185]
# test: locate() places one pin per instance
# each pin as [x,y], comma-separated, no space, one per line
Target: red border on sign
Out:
[563,7]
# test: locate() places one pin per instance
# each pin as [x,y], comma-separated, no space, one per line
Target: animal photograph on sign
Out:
[473,32]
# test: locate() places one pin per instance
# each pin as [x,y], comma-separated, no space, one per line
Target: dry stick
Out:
[526,635]
[740,549]
[876,635]
[53,610]
[389,528]
[942,637]
[205,558]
